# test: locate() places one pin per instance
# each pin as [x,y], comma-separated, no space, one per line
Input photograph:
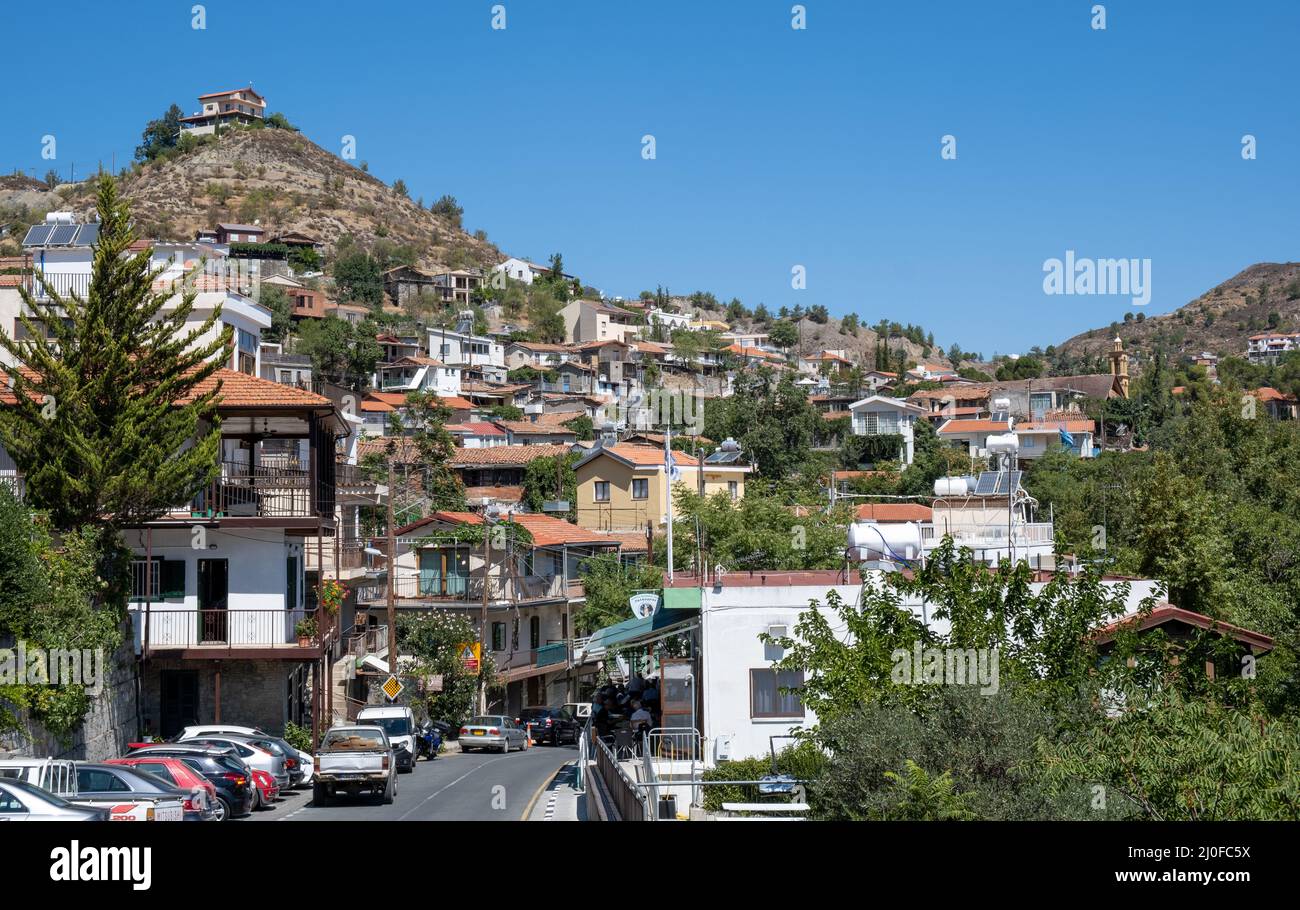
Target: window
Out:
[535,633]
[94,780]
[166,579]
[880,423]
[9,805]
[602,491]
[640,488]
[158,769]
[733,488]
[766,698]
[498,636]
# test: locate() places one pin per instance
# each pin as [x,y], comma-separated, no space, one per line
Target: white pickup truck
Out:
[352,759]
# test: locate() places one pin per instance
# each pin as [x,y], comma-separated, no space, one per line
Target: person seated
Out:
[642,720]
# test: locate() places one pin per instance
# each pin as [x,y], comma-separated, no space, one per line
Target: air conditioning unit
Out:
[778,631]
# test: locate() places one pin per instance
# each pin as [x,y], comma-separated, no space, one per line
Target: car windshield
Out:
[393,726]
[230,764]
[485,722]
[269,746]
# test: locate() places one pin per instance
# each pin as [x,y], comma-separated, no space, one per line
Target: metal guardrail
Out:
[243,491]
[629,801]
[456,589]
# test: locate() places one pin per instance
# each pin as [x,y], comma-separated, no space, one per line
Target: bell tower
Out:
[1118,369]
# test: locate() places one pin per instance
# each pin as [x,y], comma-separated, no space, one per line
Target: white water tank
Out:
[60,218]
[869,540]
[1002,404]
[950,486]
[1003,444]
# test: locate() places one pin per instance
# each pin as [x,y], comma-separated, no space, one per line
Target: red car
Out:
[267,791]
[181,775]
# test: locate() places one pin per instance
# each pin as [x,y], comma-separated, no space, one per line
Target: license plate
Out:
[480,732]
[164,814]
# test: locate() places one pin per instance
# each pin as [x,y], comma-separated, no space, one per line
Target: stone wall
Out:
[254,693]
[109,725]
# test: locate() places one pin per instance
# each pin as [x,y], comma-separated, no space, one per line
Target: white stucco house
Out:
[880,415]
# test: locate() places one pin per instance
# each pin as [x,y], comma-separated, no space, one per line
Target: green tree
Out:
[608,583]
[114,420]
[448,208]
[426,421]
[432,639]
[275,299]
[783,334]
[160,135]
[359,277]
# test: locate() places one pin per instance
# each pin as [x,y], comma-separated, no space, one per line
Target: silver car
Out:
[254,751]
[492,731]
[23,802]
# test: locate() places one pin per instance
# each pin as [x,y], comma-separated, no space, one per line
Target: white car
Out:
[399,724]
[305,763]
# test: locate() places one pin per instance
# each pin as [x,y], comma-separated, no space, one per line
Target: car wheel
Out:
[318,795]
[390,792]
[222,811]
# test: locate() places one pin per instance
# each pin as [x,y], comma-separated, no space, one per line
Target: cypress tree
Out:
[115,421]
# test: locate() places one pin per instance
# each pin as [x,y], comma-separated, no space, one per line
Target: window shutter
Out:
[173,578]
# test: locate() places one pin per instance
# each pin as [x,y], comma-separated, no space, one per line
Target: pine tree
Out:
[115,416]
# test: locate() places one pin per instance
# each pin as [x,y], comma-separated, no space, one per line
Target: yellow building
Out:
[621,487]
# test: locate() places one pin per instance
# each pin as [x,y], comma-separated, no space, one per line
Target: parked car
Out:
[133,795]
[180,775]
[399,723]
[258,754]
[223,768]
[300,774]
[492,731]
[353,759]
[24,802]
[549,725]
[268,793]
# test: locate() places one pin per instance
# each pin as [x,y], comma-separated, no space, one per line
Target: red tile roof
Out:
[476,428]
[974,426]
[239,390]
[1169,613]
[649,456]
[505,455]
[1046,426]
[894,511]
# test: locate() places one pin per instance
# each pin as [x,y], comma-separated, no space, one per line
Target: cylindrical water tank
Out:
[1003,444]
[869,540]
[950,486]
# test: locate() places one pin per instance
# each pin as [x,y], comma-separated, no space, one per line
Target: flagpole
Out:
[668,492]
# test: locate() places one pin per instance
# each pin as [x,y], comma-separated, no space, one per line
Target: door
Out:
[180,701]
[214,598]
[430,572]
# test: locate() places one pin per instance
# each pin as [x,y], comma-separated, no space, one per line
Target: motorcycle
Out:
[428,739]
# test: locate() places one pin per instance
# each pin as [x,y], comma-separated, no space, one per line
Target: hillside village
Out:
[411,423]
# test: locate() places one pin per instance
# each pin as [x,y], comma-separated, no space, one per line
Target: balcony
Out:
[262,491]
[511,663]
[430,588]
[991,537]
[13,482]
[269,633]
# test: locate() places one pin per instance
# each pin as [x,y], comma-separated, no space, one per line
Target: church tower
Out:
[1118,369]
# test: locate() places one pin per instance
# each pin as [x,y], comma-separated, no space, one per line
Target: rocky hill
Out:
[285,182]
[1264,297]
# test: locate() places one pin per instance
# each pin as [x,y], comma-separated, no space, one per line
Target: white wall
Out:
[257,581]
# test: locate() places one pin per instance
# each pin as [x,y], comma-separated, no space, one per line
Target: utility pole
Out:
[483,616]
[668,492]
[392,567]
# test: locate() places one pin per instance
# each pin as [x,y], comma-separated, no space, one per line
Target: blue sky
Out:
[775,147]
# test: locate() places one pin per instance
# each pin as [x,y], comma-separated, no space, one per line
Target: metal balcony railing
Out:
[243,491]
[430,587]
[166,628]
[13,481]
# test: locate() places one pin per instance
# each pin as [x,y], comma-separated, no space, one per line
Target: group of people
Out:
[634,707]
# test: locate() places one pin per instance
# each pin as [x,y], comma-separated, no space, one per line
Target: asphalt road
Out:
[455,786]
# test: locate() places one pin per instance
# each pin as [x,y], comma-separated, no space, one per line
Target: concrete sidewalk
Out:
[560,802]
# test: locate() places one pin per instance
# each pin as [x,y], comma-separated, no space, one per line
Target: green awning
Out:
[620,632]
[680,606]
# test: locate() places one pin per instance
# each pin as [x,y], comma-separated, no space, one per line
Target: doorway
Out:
[179,695]
[214,600]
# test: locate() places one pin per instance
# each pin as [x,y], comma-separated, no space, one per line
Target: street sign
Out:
[471,653]
[643,605]
[392,687]
[433,683]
